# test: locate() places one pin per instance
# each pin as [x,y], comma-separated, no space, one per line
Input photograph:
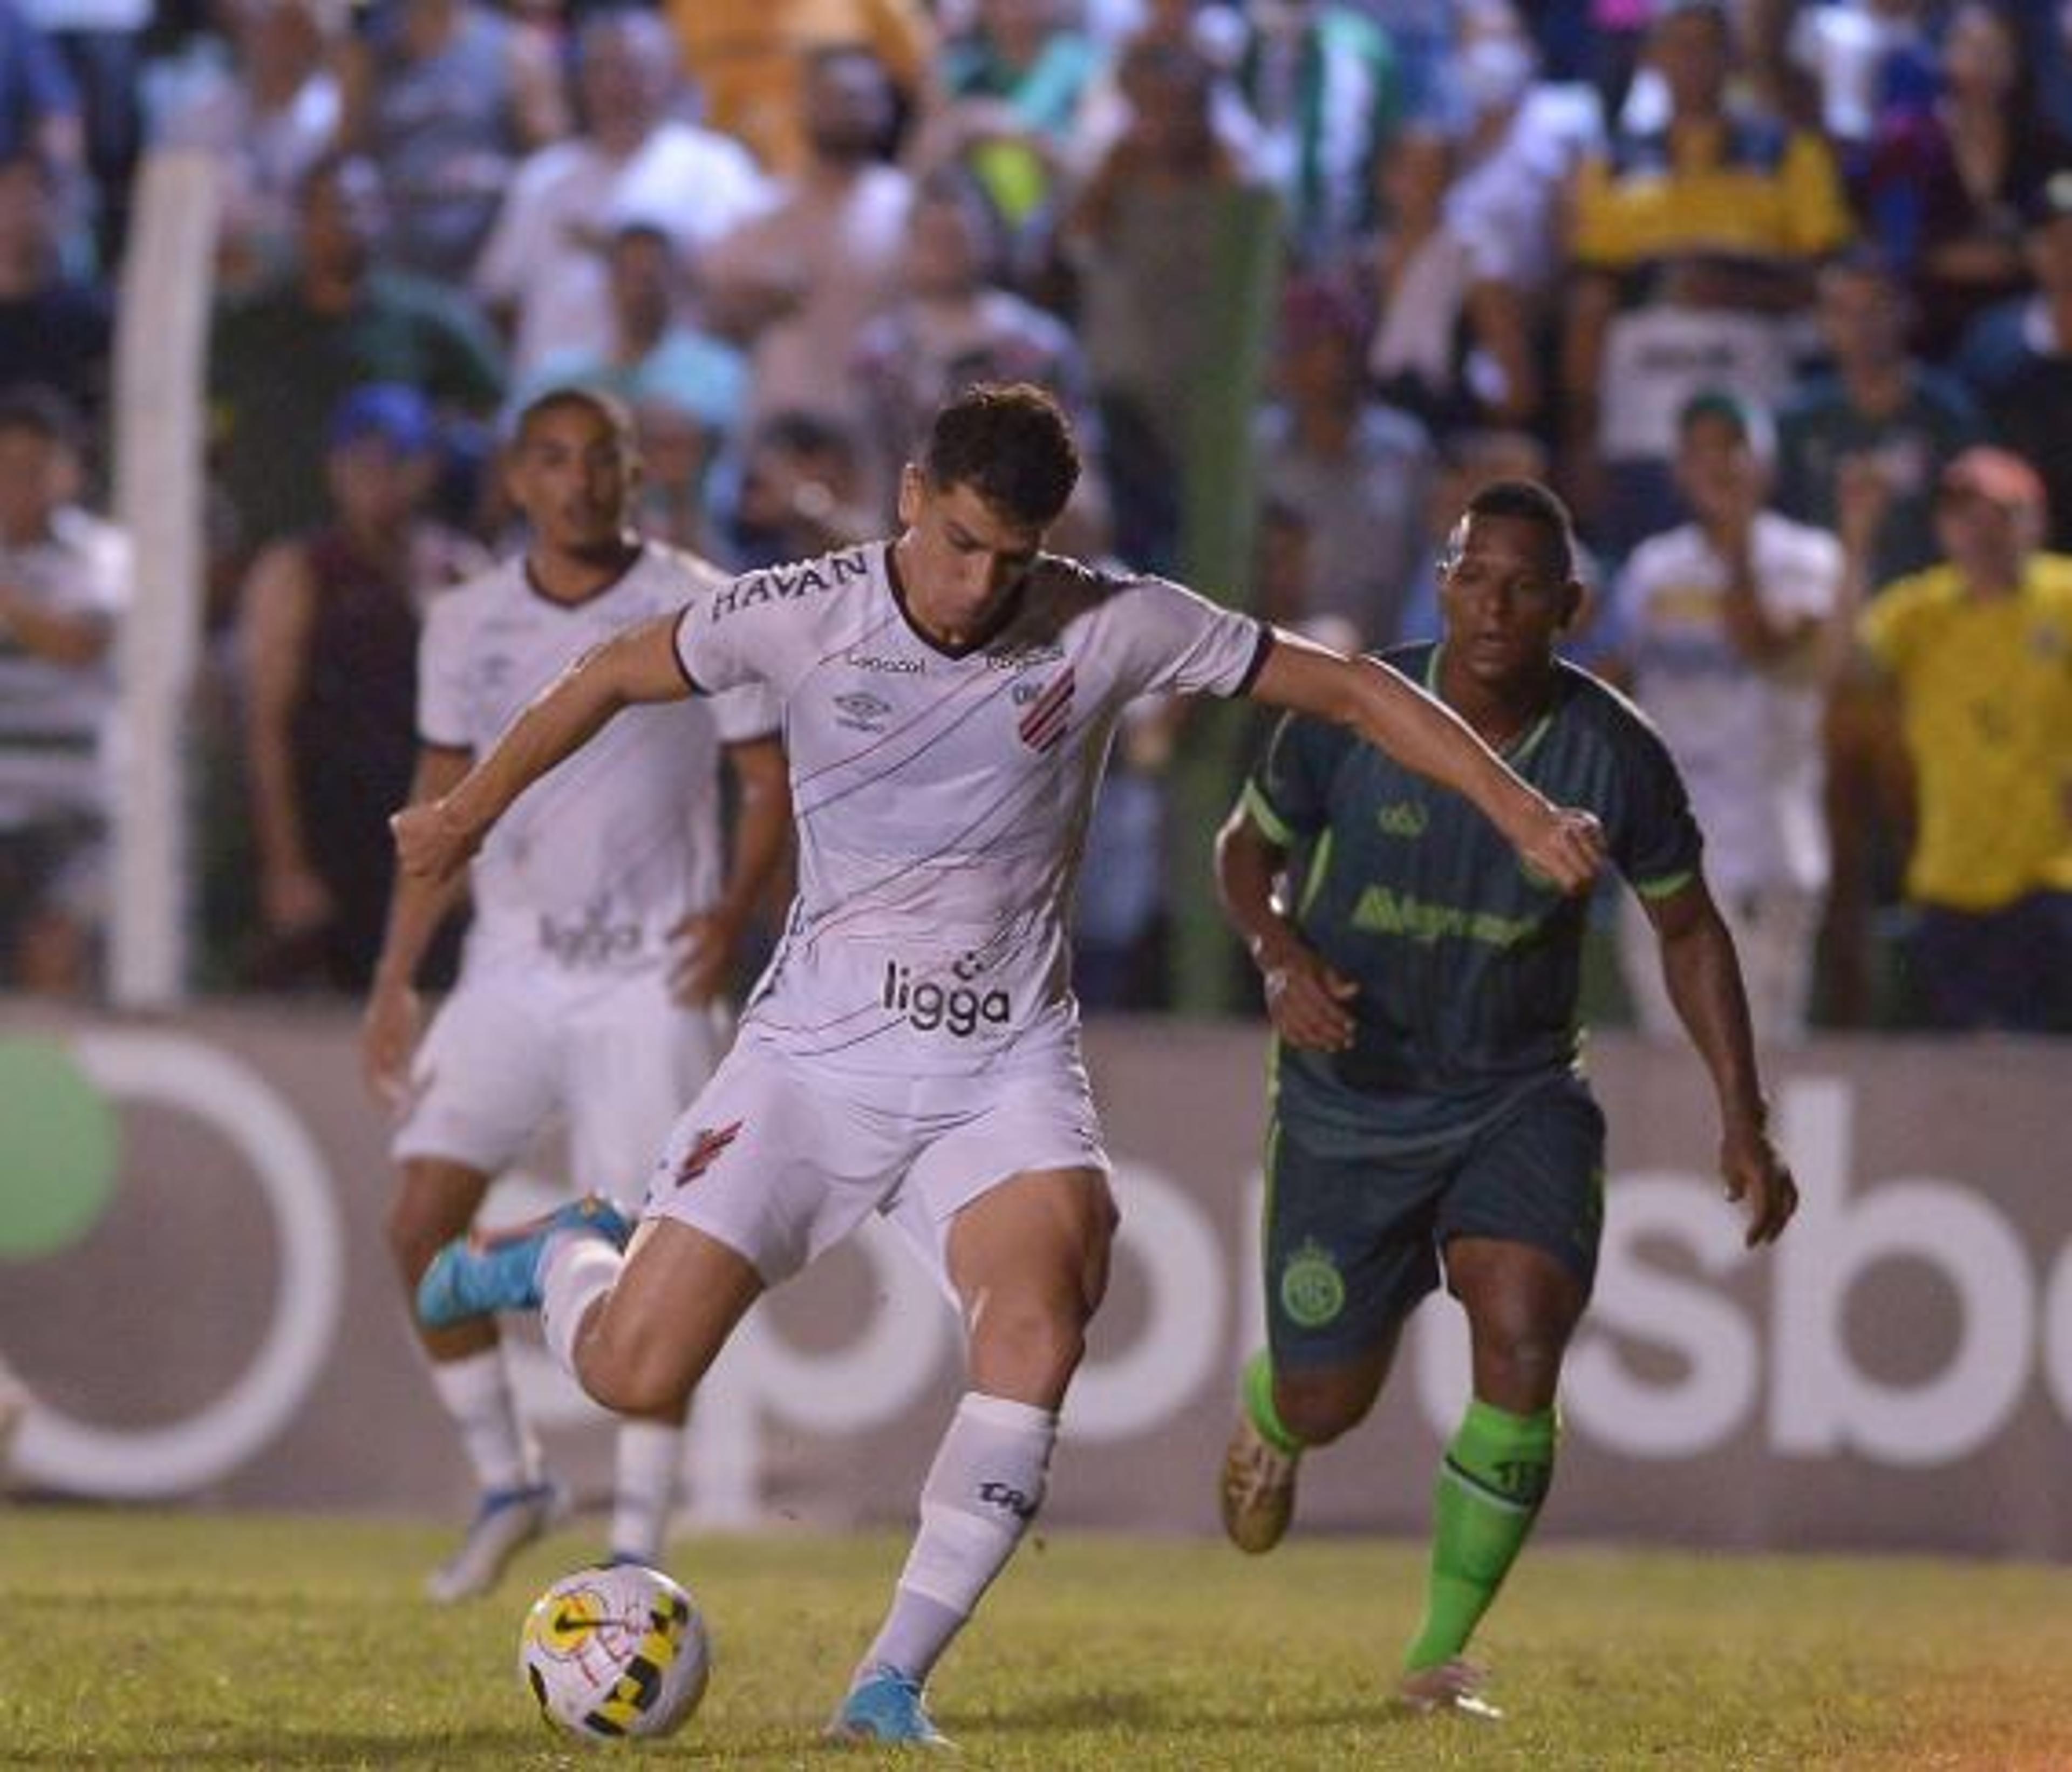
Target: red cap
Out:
[1998,476]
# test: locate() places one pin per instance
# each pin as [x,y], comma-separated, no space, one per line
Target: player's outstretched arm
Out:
[1421,733]
[434,839]
[1704,974]
[1305,997]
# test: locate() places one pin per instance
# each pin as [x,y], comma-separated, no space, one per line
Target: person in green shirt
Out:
[1429,1120]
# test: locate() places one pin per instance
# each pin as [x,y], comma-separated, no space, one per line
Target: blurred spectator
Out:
[64,581]
[2018,357]
[542,271]
[446,96]
[796,283]
[1878,409]
[1321,79]
[1011,89]
[55,329]
[749,60]
[101,41]
[280,360]
[1691,240]
[953,325]
[651,350]
[1946,181]
[329,633]
[1143,236]
[1866,60]
[1452,345]
[1355,470]
[1977,653]
[1722,620]
[39,104]
[1214,32]
[268,115]
[804,490]
[678,455]
[1523,138]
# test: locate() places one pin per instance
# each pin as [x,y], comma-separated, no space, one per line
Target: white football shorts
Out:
[780,1158]
[612,1054]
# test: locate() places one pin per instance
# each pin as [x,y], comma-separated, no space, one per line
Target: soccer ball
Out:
[613,1651]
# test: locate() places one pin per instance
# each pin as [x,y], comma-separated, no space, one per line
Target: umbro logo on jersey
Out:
[707,1143]
[1405,818]
[1050,712]
[863,711]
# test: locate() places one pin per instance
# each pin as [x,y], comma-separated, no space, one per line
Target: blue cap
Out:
[387,411]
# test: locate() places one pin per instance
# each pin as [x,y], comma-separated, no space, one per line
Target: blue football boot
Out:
[499,1270]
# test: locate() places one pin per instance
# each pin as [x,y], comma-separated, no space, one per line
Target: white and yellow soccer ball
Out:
[615,1651]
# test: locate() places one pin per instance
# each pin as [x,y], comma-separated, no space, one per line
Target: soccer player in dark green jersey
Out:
[1429,1118]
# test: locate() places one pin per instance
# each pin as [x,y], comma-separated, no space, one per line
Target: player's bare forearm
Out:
[1704,977]
[418,903]
[1308,1001]
[1424,734]
[637,665]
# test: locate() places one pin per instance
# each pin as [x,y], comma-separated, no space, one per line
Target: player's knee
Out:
[414,1236]
[1317,1414]
[1519,1367]
[632,1371]
[1029,1346]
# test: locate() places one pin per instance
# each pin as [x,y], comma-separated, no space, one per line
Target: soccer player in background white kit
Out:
[913,1049]
[605,919]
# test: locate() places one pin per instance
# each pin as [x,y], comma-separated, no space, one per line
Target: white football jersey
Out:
[942,798]
[592,865]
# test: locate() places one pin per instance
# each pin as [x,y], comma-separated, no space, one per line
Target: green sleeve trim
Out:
[1320,864]
[1263,815]
[1667,886]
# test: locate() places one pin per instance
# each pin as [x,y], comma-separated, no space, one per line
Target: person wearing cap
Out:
[2018,357]
[329,634]
[1721,620]
[1974,656]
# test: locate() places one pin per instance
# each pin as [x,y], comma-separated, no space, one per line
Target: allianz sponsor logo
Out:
[784,584]
[593,939]
[959,1010]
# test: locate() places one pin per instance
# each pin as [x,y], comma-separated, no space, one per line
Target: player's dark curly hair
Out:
[1531,502]
[1010,442]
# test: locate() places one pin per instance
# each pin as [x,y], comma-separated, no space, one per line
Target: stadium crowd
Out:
[1778,294]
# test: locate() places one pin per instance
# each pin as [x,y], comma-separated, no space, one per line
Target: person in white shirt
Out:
[65,578]
[1721,621]
[543,268]
[950,698]
[605,919]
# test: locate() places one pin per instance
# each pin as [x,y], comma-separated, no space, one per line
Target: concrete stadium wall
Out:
[193,1286]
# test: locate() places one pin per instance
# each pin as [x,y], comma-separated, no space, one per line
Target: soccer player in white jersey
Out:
[949,697]
[604,922]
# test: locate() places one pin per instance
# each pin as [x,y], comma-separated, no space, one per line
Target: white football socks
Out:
[644,1488]
[475,1392]
[575,1272]
[982,1492]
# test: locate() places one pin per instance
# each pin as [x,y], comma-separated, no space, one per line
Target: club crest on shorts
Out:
[1312,1291]
[707,1142]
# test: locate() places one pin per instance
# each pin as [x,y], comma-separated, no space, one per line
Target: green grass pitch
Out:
[201,1644]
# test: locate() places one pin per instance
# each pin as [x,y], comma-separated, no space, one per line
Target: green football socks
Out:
[1258,1392]
[1496,1474]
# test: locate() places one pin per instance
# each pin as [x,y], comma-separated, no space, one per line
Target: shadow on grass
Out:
[1180,1716]
[328,1748]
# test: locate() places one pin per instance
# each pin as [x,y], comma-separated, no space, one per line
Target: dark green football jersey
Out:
[1468,965]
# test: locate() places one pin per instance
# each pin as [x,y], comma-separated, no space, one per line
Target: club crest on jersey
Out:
[707,1143]
[1048,713]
